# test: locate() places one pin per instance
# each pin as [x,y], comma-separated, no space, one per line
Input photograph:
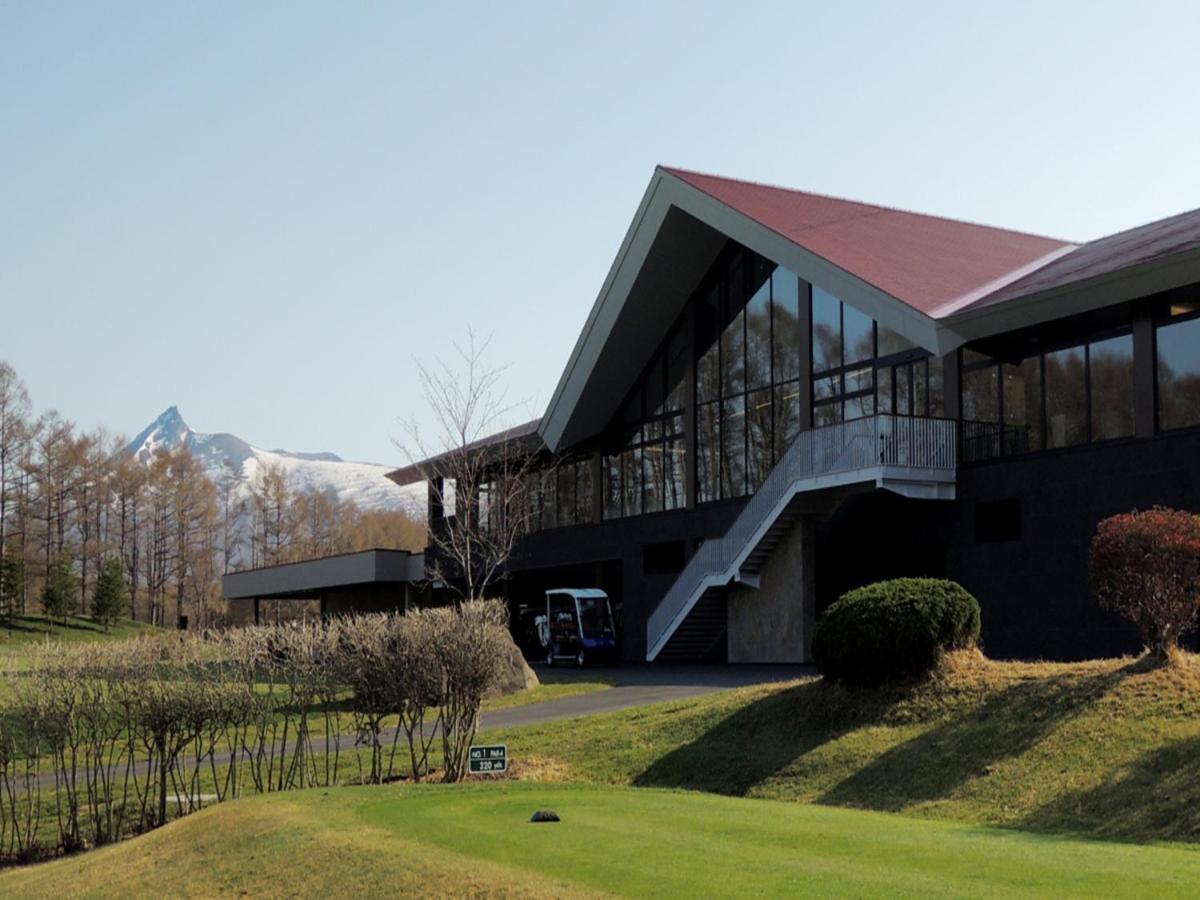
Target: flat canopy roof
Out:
[312,576]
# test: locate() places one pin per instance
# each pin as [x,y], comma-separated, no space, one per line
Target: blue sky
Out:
[263,212]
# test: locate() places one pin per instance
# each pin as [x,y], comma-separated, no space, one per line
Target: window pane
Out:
[937,393]
[549,519]
[858,335]
[565,494]
[583,495]
[1110,364]
[826,331]
[733,447]
[652,477]
[785,300]
[1066,409]
[827,414]
[859,407]
[758,338]
[1179,374]
[733,359]
[904,390]
[631,469]
[787,417]
[612,486]
[707,330]
[675,461]
[883,390]
[920,389]
[980,395]
[708,442]
[758,425]
[827,387]
[1022,407]
[860,380]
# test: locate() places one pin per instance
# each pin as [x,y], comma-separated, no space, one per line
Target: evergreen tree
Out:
[59,599]
[12,585]
[108,601]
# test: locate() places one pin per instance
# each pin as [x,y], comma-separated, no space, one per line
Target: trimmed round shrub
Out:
[894,629]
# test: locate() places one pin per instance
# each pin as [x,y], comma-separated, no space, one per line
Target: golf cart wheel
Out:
[580,660]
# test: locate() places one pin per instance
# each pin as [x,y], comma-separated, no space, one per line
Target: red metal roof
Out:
[934,265]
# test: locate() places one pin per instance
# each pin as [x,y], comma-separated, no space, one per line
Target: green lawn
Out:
[25,630]
[477,840]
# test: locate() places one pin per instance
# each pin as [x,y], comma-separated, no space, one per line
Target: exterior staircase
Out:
[912,456]
[702,636]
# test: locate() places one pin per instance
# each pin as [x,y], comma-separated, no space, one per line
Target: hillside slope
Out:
[477,841]
[1106,749]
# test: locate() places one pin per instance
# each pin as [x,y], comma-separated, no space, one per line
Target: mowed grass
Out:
[1107,749]
[477,840]
[23,631]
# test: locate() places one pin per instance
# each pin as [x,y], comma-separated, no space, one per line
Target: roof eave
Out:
[665,191]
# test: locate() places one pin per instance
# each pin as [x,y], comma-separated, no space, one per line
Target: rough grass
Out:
[1105,749]
[477,841]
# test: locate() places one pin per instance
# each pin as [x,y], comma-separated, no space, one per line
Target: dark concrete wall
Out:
[1034,591]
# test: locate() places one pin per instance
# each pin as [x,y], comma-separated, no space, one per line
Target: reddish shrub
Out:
[1145,566]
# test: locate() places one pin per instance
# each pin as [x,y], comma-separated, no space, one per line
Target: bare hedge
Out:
[103,740]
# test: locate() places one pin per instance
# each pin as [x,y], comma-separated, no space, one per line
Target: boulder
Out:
[544,815]
[514,673]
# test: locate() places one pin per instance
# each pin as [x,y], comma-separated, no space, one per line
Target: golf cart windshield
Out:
[594,619]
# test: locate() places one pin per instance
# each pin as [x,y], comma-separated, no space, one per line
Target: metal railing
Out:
[872,444]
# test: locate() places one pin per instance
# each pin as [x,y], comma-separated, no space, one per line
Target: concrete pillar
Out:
[257,613]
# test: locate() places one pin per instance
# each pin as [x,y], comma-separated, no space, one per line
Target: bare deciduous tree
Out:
[477,468]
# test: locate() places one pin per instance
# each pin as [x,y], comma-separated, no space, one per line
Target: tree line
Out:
[74,508]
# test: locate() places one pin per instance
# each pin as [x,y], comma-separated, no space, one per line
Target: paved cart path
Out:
[636,686]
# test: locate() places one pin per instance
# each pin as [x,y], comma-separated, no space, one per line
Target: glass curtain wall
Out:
[646,471]
[861,368]
[748,333]
[1075,395]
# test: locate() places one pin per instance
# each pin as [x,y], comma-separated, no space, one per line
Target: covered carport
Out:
[363,581]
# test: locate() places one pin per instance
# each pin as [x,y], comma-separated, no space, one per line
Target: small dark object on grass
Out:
[544,815]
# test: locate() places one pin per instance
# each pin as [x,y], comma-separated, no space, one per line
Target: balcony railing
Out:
[847,453]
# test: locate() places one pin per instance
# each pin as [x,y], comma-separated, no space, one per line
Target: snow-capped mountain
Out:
[364,483]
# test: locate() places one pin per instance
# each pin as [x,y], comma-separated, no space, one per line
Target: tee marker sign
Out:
[488,760]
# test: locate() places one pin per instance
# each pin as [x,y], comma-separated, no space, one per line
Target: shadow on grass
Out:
[758,740]
[1152,800]
[963,741]
[968,745]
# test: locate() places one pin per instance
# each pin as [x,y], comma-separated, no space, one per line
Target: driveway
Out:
[637,685]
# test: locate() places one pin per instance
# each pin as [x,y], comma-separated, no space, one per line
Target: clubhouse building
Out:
[778,396]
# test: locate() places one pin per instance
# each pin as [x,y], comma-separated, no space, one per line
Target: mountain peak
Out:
[167,432]
[170,416]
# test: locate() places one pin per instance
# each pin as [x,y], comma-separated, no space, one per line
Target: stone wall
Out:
[774,622]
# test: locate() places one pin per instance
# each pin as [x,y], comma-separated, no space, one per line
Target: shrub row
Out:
[107,739]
